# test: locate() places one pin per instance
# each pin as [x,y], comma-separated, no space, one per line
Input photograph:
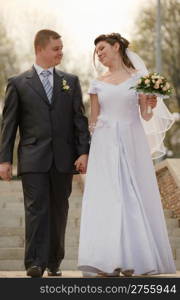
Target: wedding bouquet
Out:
[153,84]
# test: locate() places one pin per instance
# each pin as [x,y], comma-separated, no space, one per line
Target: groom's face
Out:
[52,53]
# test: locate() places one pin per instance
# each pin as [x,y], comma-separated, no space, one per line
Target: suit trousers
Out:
[46,210]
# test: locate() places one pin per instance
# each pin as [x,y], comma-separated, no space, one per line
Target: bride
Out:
[122,223]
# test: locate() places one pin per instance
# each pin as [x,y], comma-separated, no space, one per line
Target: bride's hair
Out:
[113,38]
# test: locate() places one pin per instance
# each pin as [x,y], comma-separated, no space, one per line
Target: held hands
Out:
[6,171]
[81,163]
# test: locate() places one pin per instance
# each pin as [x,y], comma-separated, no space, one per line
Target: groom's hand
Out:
[81,163]
[6,171]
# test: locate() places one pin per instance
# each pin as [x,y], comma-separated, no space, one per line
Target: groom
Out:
[46,105]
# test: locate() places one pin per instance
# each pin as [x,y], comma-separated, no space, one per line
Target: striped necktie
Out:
[46,83]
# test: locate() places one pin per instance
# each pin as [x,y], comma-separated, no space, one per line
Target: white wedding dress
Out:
[122,221]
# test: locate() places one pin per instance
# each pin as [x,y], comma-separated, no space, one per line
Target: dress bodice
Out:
[117,102]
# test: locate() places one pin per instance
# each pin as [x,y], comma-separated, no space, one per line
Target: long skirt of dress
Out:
[122,221]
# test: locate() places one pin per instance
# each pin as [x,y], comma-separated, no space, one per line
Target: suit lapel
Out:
[34,81]
[57,90]
[36,84]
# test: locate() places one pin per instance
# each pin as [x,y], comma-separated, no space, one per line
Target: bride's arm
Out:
[94,112]
[144,102]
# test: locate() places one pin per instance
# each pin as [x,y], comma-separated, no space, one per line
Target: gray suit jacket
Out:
[48,132]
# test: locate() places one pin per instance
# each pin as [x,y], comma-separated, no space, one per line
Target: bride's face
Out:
[106,52]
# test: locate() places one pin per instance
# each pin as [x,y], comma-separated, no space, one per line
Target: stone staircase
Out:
[12,227]
[173,227]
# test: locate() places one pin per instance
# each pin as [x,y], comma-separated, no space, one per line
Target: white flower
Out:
[147,81]
[65,86]
[156,86]
[164,88]
[153,76]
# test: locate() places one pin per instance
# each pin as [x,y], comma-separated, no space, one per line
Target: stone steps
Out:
[11,231]
[176,232]
[11,265]
[17,202]
[11,241]
[18,265]
[168,213]
[18,253]
[174,235]
[12,221]
[174,241]
[14,237]
[172,223]
[12,228]
[178,253]
[177,264]
[18,210]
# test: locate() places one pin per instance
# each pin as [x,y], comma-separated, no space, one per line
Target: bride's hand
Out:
[81,163]
[149,100]
[152,100]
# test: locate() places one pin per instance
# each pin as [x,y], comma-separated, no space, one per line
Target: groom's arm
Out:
[80,121]
[10,119]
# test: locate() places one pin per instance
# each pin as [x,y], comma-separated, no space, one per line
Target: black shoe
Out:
[34,271]
[54,272]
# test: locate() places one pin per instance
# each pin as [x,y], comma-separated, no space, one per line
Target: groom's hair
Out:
[43,36]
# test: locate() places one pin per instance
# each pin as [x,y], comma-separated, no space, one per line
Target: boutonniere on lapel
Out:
[65,86]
